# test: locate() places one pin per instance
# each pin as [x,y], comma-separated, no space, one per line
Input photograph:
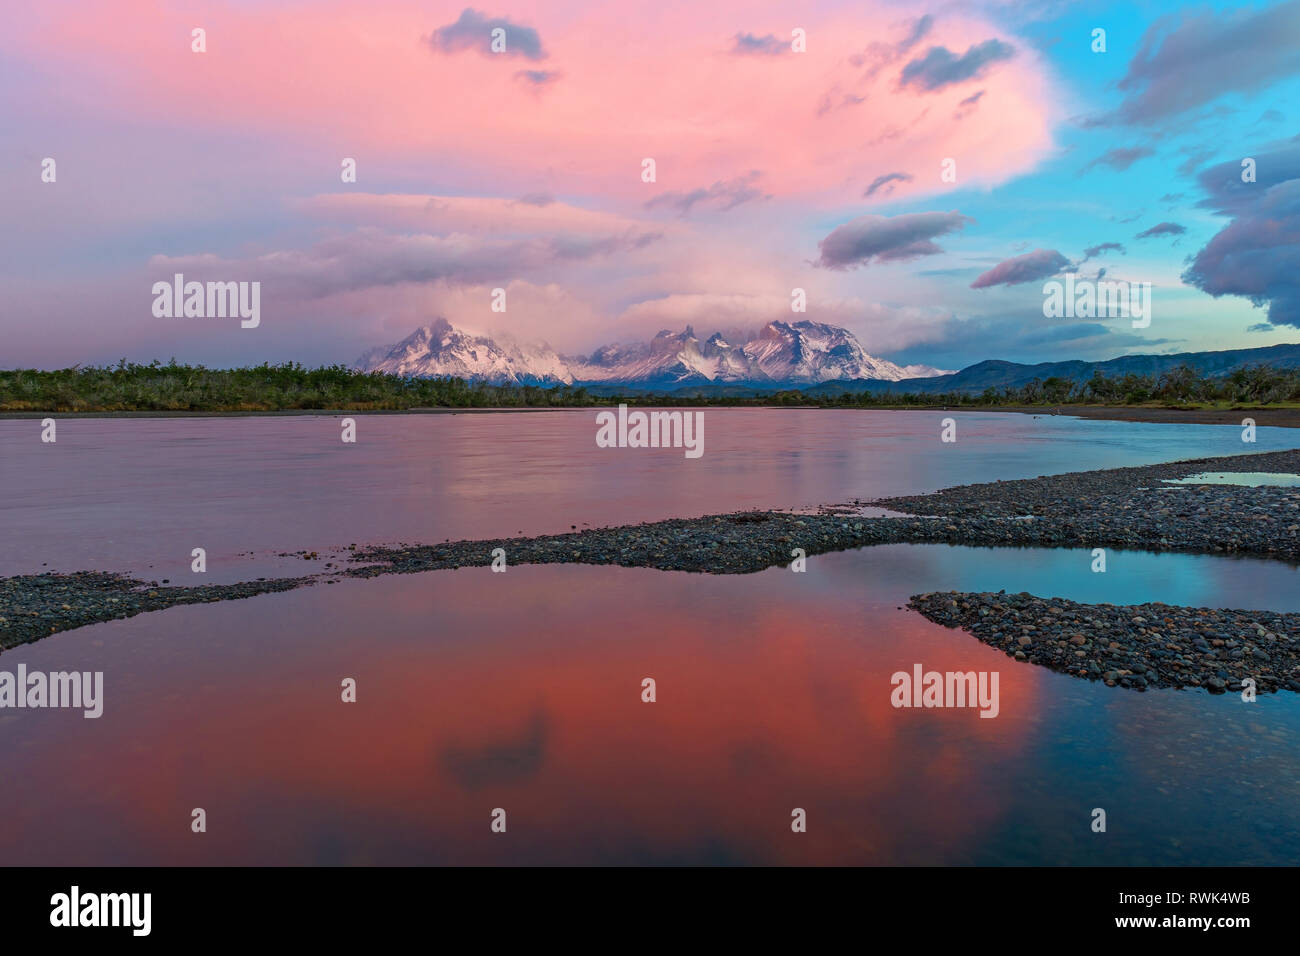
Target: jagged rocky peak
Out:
[780,353]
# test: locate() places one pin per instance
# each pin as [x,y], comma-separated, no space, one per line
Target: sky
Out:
[919,170]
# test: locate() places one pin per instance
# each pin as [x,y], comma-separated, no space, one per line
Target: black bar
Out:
[965,906]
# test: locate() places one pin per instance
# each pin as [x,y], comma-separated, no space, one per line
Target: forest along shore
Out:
[1123,508]
[1275,417]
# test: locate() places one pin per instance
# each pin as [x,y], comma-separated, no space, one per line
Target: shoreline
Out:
[1122,509]
[1272,417]
[1264,417]
[290,412]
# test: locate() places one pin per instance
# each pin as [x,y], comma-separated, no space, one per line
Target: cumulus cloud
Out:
[941,67]
[1227,193]
[1038,264]
[1190,60]
[473,31]
[1257,255]
[887,238]
[1162,229]
[723,195]
[886,182]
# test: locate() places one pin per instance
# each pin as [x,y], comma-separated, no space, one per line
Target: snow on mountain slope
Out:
[438,350]
[781,353]
[814,352]
[926,371]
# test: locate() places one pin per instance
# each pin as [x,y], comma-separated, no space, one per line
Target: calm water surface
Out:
[522,690]
[140,494]
[1246,478]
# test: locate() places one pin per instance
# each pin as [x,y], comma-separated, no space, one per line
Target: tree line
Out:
[178,388]
[1181,386]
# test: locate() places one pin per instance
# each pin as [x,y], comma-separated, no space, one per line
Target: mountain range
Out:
[780,354]
[998,374]
[812,356]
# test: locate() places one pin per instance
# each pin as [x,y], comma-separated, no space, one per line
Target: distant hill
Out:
[996,374]
[815,358]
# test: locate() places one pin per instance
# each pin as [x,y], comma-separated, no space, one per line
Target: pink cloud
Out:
[470,214]
[230,160]
[640,80]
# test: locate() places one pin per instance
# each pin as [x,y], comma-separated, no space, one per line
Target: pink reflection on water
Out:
[519,691]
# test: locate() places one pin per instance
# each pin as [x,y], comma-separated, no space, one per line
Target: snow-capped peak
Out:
[780,353]
[439,350]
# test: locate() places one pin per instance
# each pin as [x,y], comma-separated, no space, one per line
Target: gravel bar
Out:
[1135,646]
[1124,508]
[1117,508]
[33,606]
